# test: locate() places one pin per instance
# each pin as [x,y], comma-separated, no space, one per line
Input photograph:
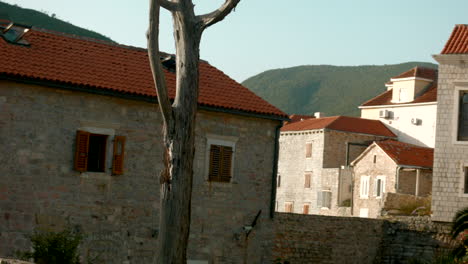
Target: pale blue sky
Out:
[268,34]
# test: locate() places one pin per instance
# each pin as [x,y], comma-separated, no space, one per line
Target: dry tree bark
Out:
[179,118]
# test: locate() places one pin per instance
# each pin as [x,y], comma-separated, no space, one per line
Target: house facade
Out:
[81,135]
[390,167]
[450,187]
[408,107]
[313,177]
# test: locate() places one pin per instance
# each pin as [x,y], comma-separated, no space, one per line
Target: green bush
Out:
[54,247]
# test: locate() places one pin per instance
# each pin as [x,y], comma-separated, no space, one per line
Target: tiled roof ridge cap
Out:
[391,141]
[100,41]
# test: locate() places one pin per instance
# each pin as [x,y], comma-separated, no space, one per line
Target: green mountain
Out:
[38,19]
[334,90]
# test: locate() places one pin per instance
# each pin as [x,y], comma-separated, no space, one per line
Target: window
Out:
[219,158]
[465,180]
[278,181]
[462,134]
[305,209]
[307,177]
[324,199]
[288,207]
[308,150]
[220,163]
[379,186]
[375,158]
[91,152]
[364,187]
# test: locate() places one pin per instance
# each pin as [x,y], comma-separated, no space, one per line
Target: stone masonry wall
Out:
[450,156]
[119,214]
[383,166]
[293,165]
[325,239]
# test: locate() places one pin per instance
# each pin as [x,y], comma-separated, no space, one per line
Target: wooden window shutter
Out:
[81,151]
[118,155]
[226,166]
[220,163]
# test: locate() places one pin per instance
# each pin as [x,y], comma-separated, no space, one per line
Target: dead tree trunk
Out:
[179,119]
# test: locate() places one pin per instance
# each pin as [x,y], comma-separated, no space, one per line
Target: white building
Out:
[408,107]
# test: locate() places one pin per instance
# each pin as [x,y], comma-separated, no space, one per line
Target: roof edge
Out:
[131,96]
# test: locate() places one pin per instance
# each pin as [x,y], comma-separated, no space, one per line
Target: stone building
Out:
[408,107]
[81,148]
[450,186]
[313,177]
[390,167]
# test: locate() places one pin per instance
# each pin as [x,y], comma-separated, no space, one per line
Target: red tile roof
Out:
[458,41]
[420,72]
[296,118]
[429,95]
[407,154]
[70,60]
[342,123]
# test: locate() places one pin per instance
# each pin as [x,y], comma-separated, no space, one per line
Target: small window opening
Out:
[375,158]
[14,33]
[465,189]
[97,152]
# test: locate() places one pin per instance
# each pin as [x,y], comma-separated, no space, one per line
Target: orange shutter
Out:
[220,163]
[81,150]
[118,156]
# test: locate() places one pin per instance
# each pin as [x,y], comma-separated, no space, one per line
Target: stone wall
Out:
[325,239]
[328,155]
[292,167]
[450,155]
[383,166]
[119,214]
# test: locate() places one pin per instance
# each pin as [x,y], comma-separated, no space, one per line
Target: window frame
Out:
[304,206]
[286,206]
[309,143]
[110,133]
[363,195]
[322,206]
[382,186]
[463,181]
[460,87]
[220,141]
[307,179]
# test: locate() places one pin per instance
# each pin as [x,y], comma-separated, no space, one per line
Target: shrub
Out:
[54,247]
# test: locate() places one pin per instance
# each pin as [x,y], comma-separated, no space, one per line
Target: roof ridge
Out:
[332,122]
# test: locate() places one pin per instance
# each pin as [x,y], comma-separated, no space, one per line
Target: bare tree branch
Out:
[169,5]
[155,62]
[219,14]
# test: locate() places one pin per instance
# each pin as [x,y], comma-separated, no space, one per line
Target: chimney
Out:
[319,114]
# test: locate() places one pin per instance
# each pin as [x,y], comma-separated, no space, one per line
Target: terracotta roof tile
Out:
[421,72]
[429,95]
[408,154]
[458,41]
[296,118]
[66,59]
[342,123]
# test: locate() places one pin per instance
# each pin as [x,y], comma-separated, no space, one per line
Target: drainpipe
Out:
[275,171]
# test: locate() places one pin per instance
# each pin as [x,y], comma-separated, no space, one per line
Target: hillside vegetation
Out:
[334,90]
[38,19]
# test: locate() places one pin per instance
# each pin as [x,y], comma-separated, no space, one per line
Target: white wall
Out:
[400,122]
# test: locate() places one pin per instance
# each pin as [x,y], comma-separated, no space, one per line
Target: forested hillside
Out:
[35,18]
[334,90]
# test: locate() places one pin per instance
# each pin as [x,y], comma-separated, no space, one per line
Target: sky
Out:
[269,34]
